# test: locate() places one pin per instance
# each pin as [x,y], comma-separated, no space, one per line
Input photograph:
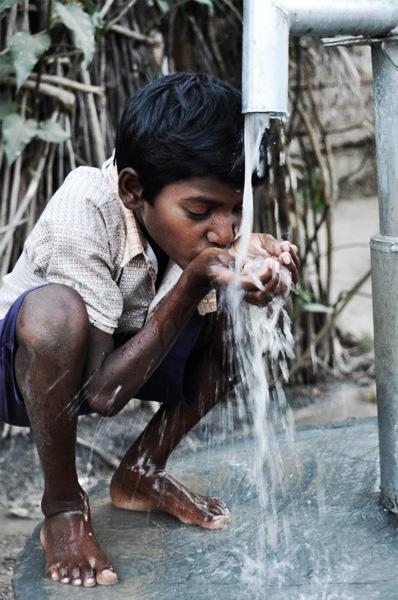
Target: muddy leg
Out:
[52,335]
[141,482]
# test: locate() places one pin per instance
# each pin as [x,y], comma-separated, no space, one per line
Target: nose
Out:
[222,233]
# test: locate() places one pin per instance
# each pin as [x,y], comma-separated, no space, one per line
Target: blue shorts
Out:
[170,383]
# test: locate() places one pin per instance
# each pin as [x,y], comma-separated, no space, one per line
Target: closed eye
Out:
[198,216]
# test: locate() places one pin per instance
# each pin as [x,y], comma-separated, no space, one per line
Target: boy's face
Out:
[189,216]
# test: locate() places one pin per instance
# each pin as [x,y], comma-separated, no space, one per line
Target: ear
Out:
[130,190]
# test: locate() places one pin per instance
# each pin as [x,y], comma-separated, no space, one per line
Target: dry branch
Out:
[68,83]
[66,98]
[134,35]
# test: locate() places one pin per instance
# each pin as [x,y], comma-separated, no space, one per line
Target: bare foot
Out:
[139,489]
[72,552]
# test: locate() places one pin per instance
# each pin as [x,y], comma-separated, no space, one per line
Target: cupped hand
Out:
[269,278]
[262,277]
[265,245]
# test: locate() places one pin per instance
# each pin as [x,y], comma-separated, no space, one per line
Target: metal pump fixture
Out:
[267,26]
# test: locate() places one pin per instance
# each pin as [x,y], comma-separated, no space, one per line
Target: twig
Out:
[66,98]
[69,83]
[68,143]
[94,124]
[338,308]
[26,200]
[12,225]
[233,9]
[134,35]
[109,459]
[105,8]
[124,11]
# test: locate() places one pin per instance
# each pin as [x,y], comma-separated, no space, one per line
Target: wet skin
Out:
[194,222]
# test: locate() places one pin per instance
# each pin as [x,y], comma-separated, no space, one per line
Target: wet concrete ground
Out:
[342,544]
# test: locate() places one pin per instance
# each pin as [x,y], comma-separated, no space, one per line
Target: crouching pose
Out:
[115,297]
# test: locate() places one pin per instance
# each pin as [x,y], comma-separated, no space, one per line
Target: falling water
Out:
[255,333]
[260,343]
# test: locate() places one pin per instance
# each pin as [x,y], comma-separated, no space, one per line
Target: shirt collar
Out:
[135,241]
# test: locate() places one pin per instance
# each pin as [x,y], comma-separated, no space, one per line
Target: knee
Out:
[51,317]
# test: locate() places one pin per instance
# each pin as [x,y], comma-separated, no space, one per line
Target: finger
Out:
[287,261]
[293,251]
[258,274]
[258,298]
[271,245]
[283,288]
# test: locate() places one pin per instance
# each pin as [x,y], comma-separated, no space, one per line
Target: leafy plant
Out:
[81,25]
[25,50]
[18,132]
[4,4]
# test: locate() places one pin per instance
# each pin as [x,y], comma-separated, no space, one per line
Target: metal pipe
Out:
[384,249]
[267,24]
[340,17]
[266,27]
[265,58]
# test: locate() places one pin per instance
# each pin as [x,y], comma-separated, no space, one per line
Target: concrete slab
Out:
[342,544]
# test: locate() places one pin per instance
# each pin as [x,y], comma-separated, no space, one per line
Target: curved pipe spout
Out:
[266,28]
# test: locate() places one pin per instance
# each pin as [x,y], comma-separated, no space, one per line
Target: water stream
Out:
[260,342]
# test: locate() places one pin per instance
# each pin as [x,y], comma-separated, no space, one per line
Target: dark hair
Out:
[181,126]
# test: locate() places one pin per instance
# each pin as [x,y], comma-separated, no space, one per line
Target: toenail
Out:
[77,582]
[90,581]
[65,580]
[54,576]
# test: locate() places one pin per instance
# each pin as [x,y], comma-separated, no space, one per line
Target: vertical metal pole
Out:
[384,254]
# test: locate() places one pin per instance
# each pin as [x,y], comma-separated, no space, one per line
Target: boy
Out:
[79,332]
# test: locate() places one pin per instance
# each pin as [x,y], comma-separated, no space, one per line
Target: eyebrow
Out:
[207,200]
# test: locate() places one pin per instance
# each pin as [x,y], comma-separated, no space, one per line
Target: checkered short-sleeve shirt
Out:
[86,239]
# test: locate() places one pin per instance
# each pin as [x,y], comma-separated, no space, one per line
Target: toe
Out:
[106,576]
[218,522]
[65,575]
[76,577]
[53,572]
[219,507]
[88,577]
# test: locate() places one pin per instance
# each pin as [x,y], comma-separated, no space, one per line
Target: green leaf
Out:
[50,131]
[7,104]
[164,6]
[4,4]
[17,134]
[6,65]
[209,4]
[25,51]
[301,293]
[90,6]
[81,26]
[314,307]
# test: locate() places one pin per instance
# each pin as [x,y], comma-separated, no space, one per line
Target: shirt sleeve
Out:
[70,246]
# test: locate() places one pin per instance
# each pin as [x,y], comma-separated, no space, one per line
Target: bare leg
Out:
[141,482]
[52,349]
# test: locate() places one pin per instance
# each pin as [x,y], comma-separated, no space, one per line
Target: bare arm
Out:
[114,375]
